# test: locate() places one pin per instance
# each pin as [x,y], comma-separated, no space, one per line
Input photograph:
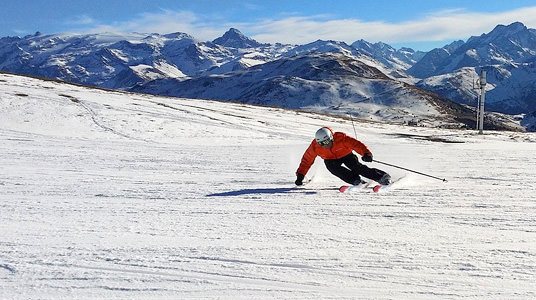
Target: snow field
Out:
[124,196]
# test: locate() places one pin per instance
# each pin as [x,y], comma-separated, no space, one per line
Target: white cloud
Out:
[439,26]
[21,32]
[165,22]
[444,25]
[81,20]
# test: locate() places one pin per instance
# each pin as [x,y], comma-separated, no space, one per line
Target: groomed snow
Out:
[108,195]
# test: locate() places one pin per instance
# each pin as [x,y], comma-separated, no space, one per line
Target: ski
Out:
[349,188]
[381,188]
[376,188]
[344,188]
[371,185]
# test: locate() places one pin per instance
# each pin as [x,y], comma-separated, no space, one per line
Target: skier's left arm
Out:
[360,148]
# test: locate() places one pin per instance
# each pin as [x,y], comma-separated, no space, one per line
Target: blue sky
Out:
[420,24]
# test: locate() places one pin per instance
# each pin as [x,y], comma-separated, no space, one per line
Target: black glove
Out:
[367,157]
[299,179]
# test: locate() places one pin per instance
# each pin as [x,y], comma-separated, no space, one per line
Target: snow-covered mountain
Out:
[327,83]
[429,63]
[398,60]
[106,60]
[514,43]
[510,88]
[507,53]
[375,55]
[121,61]
[233,38]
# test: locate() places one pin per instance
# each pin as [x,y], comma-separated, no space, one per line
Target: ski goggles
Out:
[324,142]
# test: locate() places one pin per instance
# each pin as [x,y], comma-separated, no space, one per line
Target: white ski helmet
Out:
[324,136]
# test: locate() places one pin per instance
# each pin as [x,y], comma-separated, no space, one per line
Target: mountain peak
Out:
[235,39]
[178,35]
[453,46]
[509,29]
[503,35]
[234,31]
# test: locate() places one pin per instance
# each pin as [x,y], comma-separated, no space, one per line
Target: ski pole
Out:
[380,162]
[352,118]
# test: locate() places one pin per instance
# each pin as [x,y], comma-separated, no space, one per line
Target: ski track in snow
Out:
[117,195]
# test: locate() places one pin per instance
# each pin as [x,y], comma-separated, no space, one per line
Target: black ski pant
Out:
[349,169]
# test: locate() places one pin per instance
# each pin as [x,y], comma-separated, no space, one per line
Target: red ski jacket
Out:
[342,146]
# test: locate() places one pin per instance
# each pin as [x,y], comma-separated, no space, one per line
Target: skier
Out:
[337,151]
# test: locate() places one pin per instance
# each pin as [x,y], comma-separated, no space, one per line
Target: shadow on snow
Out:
[288,190]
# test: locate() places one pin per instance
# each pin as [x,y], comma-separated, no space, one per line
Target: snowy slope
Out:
[460,85]
[115,195]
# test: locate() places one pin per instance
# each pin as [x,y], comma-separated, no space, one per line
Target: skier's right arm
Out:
[307,160]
